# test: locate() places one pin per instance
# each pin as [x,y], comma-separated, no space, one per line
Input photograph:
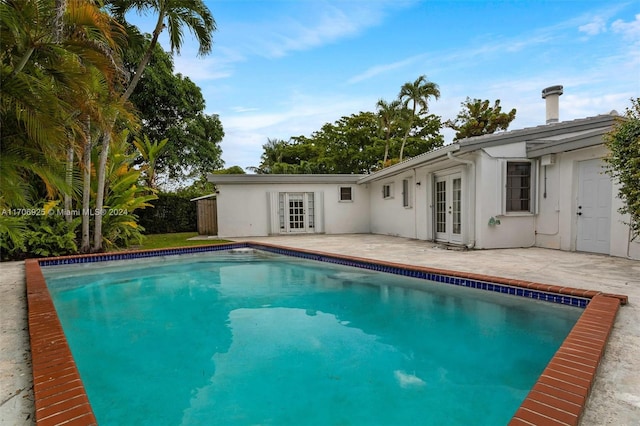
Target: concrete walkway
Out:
[615,398]
[16,381]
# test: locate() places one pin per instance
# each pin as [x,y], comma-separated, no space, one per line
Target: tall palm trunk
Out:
[85,246]
[69,180]
[58,22]
[58,27]
[386,152]
[102,169]
[106,137]
[387,143]
[406,134]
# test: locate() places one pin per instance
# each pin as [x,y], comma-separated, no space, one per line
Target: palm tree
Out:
[272,156]
[418,94]
[94,106]
[52,50]
[96,111]
[173,15]
[388,116]
[42,76]
[32,114]
[150,152]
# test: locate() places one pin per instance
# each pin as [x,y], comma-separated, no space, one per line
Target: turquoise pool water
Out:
[258,338]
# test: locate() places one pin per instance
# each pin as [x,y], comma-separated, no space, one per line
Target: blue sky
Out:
[284,68]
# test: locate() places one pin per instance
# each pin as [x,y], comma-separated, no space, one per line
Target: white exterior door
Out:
[297,212]
[593,208]
[448,208]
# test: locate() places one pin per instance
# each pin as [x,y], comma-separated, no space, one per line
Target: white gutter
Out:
[460,160]
[415,204]
[282,178]
[204,197]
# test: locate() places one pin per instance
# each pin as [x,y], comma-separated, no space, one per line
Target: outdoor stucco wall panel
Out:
[557,220]
[513,231]
[388,215]
[244,210]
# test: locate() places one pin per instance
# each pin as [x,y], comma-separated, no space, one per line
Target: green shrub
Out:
[42,236]
[51,235]
[170,213]
[12,230]
[624,163]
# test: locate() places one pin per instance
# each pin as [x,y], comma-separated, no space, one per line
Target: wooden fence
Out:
[207,217]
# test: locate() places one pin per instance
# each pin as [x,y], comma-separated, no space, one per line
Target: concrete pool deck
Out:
[615,396]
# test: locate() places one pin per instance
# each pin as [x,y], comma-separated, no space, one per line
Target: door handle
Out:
[579,213]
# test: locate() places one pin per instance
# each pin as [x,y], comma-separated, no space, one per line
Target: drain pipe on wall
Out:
[472,207]
[415,201]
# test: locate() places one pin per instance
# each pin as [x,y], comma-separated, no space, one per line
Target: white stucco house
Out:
[542,186]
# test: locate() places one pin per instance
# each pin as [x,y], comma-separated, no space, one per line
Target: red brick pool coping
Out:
[558,397]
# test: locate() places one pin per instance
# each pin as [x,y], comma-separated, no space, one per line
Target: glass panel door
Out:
[296,213]
[441,206]
[457,207]
[448,209]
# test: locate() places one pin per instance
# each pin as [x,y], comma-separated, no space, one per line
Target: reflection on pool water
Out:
[258,338]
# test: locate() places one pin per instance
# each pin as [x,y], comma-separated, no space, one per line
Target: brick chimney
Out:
[551,95]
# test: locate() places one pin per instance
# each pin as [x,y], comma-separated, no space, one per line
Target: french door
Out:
[448,208]
[297,212]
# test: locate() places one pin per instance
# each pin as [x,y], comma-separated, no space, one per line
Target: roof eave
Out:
[585,140]
[538,132]
[282,178]
[411,163]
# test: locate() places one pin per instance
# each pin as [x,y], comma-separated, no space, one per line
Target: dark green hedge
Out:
[171,213]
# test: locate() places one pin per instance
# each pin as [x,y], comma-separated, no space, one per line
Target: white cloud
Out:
[241,109]
[297,35]
[385,68]
[630,30]
[440,60]
[310,25]
[594,27]
[219,65]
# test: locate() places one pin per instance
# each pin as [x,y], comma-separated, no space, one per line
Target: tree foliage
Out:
[125,196]
[363,142]
[59,60]
[233,170]
[417,94]
[391,119]
[64,106]
[174,16]
[198,188]
[171,107]
[624,162]
[478,118]
[352,144]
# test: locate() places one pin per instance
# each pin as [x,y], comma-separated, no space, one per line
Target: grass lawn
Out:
[180,239]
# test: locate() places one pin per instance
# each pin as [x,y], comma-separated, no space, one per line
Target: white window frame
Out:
[532,188]
[345,200]
[407,199]
[387,191]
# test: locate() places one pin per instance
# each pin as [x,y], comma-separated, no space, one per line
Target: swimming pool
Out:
[410,376]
